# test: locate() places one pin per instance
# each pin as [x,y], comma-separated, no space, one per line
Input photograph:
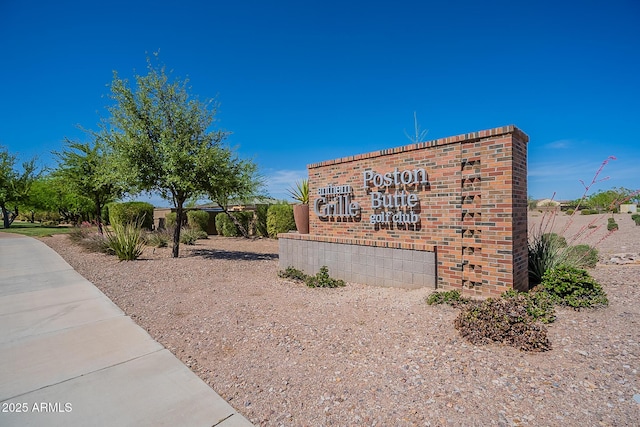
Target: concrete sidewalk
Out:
[70,357]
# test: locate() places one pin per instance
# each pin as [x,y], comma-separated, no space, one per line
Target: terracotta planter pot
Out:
[301,216]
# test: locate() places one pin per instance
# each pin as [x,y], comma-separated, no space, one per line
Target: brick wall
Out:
[472,212]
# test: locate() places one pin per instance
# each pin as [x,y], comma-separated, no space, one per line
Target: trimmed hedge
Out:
[198,220]
[227,228]
[131,212]
[280,219]
[261,220]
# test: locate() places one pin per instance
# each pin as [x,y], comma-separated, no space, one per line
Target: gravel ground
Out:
[285,354]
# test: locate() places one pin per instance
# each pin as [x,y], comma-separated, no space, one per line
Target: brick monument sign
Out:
[449,213]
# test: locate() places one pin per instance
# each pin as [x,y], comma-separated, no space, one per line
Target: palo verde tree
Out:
[161,138]
[14,185]
[87,169]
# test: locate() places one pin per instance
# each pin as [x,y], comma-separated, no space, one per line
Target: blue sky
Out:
[300,82]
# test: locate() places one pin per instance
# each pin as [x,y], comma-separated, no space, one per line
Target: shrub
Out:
[159,238]
[198,219]
[323,280]
[261,220]
[636,220]
[582,256]
[550,250]
[188,236]
[572,287]
[453,298]
[544,253]
[555,239]
[245,218]
[126,241]
[320,280]
[570,211]
[280,219]
[292,273]
[539,305]
[170,219]
[635,217]
[89,239]
[132,213]
[502,320]
[225,226]
[588,212]
[612,224]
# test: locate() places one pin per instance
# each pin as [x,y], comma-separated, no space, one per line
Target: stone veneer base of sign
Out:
[353,261]
[471,211]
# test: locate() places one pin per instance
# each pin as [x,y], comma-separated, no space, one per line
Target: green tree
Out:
[50,193]
[234,180]
[87,170]
[38,200]
[609,200]
[14,185]
[162,140]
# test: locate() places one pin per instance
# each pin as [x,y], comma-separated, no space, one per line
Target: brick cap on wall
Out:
[360,242]
[504,130]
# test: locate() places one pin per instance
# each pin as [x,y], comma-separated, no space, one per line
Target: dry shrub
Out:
[505,321]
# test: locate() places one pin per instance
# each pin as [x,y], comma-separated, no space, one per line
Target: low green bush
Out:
[572,287]
[582,256]
[550,250]
[588,212]
[280,219]
[452,298]
[159,238]
[188,236]
[539,305]
[292,273]
[570,211]
[197,219]
[323,280]
[504,320]
[130,213]
[612,224]
[320,280]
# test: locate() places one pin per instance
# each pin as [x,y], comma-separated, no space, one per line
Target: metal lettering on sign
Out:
[335,201]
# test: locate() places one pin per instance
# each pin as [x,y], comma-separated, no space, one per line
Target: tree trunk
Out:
[5,217]
[99,216]
[176,232]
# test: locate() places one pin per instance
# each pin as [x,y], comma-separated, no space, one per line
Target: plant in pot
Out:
[300,193]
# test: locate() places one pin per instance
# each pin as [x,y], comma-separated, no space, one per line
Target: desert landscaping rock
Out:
[623,259]
[286,355]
